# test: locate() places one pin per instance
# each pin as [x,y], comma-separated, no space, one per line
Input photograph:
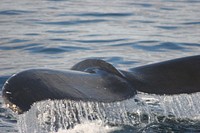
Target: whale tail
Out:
[90,65]
[90,80]
[97,80]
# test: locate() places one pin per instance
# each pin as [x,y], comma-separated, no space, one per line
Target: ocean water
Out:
[59,33]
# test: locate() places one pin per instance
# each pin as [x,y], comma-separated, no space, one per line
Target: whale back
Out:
[169,77]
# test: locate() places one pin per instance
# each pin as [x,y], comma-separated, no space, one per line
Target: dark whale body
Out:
[97,80]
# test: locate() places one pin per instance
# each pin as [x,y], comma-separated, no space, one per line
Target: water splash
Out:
[51,116]
[86,127]
[140,113]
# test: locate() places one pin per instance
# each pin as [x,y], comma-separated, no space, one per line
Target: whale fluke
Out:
[24,88]
[97,80]
[91,65]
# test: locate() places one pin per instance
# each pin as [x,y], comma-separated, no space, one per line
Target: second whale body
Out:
[97,80]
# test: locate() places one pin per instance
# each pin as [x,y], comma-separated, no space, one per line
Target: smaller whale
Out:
[97,80]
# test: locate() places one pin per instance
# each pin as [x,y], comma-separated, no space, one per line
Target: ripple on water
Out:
[75,22]
[191,23]
[55,50]
[98,14]
[100,41]
[156,46]
[18,46]
[15,12]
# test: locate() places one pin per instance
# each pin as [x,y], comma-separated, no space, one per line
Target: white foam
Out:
[90,127]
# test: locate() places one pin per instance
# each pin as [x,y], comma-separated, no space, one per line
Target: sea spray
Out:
[140,112]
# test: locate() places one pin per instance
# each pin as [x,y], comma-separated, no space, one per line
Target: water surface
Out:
[57,34]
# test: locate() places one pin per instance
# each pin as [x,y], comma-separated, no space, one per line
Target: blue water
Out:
[57,34]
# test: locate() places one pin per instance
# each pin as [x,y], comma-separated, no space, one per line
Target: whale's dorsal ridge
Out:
[89,64]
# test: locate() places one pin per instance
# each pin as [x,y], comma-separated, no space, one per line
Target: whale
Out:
[99,81]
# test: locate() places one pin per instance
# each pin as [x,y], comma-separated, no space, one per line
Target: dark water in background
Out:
[58,33]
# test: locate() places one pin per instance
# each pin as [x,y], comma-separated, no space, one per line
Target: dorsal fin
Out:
[96,64]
